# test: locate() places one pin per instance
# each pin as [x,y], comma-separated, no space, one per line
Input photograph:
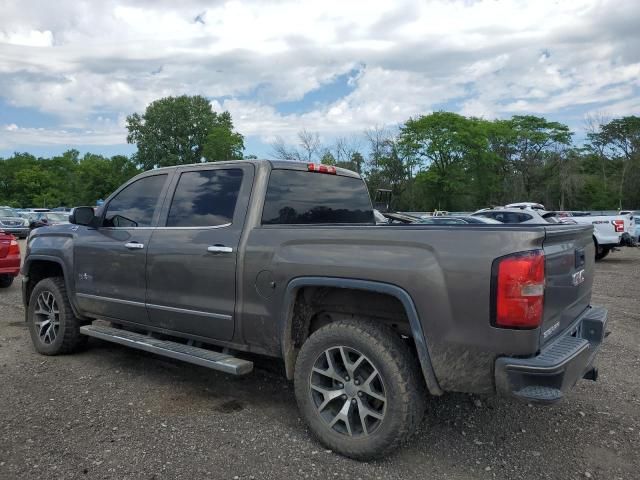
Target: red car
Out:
[9,259]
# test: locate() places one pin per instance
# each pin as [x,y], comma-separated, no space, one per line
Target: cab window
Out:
[135,205]
[205,198]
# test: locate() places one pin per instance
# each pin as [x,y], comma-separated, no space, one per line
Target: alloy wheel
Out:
[348,392]
[47,317]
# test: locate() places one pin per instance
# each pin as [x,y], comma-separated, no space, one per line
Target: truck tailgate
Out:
[569,269]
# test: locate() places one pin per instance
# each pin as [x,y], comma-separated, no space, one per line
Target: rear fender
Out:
[288,350]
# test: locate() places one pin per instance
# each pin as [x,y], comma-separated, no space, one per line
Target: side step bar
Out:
[198,356]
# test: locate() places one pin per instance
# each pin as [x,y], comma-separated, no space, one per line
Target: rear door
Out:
[192,257]
[569,269]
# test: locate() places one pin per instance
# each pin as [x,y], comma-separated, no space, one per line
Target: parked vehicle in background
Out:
[609,231]
[9,259]
[531,205]
[633,213]
[457,220]
[204,262]
[61,209]
[401,218]
[11,222]
[45,219]
[514,215]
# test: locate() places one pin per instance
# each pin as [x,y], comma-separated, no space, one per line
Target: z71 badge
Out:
[578,277]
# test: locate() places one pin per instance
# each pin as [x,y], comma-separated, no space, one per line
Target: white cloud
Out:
[79,60]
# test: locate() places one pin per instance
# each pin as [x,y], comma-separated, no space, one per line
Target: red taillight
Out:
[518,286]
[14,248]
[619,225]
[320,168]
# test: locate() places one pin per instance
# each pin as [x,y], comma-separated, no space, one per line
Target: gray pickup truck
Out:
[206,263]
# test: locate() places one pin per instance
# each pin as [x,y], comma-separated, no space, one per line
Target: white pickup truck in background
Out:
[609,231]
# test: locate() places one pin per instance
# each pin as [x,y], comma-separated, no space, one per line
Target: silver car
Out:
[12,223]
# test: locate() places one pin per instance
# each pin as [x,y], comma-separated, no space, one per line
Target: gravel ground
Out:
[112,412]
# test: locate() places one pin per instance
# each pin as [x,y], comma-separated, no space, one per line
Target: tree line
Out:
[451,162]
[441,160]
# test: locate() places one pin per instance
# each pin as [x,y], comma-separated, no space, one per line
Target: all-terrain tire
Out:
[6,281]
[67,337]
[400,374]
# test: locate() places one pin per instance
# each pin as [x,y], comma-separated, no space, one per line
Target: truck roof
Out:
[280,164]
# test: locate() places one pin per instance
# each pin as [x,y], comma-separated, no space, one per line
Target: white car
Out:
[513,215]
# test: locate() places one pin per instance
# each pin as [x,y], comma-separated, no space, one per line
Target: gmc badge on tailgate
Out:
[577,278]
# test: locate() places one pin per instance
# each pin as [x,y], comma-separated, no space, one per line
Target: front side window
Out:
[205,198]
[295,197]
[135,205]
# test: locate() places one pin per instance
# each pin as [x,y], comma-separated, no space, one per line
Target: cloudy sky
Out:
[71,70]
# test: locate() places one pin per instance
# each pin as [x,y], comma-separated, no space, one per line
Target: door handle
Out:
[134,245]
[219,249]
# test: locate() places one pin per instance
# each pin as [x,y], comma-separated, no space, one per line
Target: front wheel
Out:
[53,327]
[6,281]
[359,388]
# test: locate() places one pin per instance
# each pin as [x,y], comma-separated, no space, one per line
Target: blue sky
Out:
[71,71]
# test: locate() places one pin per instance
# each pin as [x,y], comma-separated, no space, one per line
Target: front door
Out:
[110,260]
[192,257]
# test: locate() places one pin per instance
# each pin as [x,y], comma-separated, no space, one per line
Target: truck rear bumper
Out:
[559,365]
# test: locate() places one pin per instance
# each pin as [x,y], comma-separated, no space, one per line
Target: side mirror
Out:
[82,216]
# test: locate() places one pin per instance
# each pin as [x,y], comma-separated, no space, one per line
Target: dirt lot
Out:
[111,412]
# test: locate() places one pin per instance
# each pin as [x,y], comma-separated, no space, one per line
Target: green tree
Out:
[222,142]
[533,137]
[175,130]
[99,176]
[446,146]
[328,158]
[619,140]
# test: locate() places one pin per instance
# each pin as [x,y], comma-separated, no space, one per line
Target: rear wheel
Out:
[359,388]
[601,251]
[53,327]
[6,281]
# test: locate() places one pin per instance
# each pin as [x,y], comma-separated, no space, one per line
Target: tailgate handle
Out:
[580,257]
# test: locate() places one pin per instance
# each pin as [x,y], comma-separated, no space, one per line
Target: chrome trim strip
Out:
[224,225]
[109,299]
[219,316]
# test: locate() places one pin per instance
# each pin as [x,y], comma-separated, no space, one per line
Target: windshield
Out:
[7,212]
[58,217]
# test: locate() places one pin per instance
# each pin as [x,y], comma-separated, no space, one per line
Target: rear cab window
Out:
[205,198]
[297,197]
